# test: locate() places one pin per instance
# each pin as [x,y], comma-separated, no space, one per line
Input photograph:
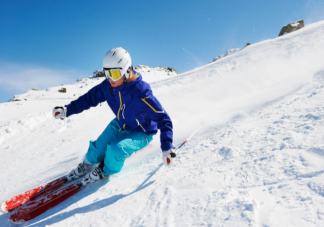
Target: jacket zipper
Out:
[140,125]
[123,110]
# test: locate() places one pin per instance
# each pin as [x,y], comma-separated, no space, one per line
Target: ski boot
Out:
[78,172]
[91,177]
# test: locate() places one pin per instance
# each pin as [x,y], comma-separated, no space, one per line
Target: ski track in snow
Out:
[258,163]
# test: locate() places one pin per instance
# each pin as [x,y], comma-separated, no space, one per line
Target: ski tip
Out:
[4,208]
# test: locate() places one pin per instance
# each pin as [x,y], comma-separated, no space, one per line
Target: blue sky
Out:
[53,42]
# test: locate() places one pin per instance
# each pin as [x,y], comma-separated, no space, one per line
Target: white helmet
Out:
[118,58]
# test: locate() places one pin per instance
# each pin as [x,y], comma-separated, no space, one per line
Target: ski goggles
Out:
[114,74]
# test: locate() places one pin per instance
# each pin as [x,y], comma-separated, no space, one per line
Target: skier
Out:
[139,115]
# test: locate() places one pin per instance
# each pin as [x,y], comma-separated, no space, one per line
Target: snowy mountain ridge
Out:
[257,161]
[229,52]
[147,71]
[150,74]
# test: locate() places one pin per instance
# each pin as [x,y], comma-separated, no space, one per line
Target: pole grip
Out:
[168,160]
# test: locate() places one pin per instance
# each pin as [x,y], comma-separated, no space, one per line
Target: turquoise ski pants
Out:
[114,145]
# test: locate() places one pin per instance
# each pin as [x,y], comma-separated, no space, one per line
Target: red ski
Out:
[37,207]
[35,193]
[30,195]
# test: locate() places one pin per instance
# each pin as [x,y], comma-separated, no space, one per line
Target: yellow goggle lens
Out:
[115,74]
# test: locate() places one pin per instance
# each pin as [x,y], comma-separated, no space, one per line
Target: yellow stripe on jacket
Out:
[120,105]
[151,106]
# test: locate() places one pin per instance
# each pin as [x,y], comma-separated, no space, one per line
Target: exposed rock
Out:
[62,90]
[172,70]
[81,79]
[14,99]
[33,89]
[292,27]
[99,73]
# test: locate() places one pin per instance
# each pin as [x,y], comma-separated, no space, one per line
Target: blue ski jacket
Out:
[133,104]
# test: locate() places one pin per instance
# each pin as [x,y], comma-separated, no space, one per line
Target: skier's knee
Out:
[119,151]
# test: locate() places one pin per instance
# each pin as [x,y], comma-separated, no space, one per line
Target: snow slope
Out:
[227,53]
[258,160]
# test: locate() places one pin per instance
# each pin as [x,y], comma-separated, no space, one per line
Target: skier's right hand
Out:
[59,112]
[168,157]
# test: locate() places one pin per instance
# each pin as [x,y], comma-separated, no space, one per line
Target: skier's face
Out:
[116,83]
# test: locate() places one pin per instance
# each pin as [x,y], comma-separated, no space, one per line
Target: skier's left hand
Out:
[168,157]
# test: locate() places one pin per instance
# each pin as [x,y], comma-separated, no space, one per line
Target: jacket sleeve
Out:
[91,99]
[154,111]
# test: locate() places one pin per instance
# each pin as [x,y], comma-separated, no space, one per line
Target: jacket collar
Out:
[130,84]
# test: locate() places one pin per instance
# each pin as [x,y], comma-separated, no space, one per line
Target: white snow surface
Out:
[257,161]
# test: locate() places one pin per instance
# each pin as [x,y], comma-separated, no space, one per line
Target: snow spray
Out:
[168,160]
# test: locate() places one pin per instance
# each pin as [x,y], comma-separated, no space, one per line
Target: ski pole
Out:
[168,160]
